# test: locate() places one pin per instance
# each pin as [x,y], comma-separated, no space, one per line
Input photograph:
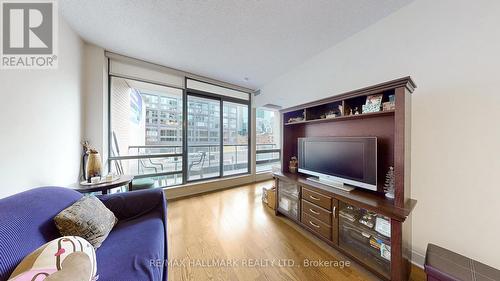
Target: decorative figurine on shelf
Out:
[341,110]
[368,219]
[392,98]
[356,111]
[330,114]
[350,213]
[298,118]
[389,183]
[293,165]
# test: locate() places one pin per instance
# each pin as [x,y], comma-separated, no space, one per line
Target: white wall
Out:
[451,49]
[96,99]
[41,121]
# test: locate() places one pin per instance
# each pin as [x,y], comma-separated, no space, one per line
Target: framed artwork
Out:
[374,99]
[373,103]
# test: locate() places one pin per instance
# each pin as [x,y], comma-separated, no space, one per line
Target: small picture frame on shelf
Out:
[374,99]
[373,103]
[387,106]
[368,108]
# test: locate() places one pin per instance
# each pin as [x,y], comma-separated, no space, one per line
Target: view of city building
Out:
[267,125]
[147,134]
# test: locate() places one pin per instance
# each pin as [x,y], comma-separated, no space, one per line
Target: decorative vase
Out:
[94,166]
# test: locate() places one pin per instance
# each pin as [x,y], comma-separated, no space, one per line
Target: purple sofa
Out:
[131,251]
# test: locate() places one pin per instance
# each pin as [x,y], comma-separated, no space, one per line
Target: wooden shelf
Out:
[344,118]
[391,128]
[374,202]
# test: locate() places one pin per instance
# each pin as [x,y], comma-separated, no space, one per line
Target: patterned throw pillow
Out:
[62,259]
[87,218]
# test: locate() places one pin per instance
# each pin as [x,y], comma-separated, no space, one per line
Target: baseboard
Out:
[192,189]
[417,259]
[263,176]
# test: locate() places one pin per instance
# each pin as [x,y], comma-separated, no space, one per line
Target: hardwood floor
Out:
[233,229]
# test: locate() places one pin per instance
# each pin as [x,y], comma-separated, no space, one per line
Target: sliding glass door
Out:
[203,138]
[236,138]
[217,136]
[166,136]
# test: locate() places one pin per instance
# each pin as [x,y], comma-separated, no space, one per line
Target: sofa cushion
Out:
[87,218]
[27,222]
[132,248]
[64,258]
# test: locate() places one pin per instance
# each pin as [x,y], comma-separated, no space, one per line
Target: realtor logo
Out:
[29,34]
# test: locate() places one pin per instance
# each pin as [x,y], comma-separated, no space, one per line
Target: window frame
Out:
[270,150]
[221,99]
[111,158]
[184,154]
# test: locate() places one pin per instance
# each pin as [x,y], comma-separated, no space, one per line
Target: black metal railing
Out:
[267,155]
[166,160]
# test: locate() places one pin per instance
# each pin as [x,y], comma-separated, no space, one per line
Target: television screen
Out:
[349,160]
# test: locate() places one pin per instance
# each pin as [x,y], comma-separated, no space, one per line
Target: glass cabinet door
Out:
[367,236]
[288,199]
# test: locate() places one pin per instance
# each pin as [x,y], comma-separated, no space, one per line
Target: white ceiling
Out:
[223,39]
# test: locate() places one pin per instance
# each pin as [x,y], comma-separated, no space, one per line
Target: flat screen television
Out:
[341,162]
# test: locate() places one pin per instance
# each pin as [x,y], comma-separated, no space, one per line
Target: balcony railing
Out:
[267,156]
[164,164]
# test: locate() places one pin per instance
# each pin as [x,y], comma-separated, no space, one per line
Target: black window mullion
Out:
[184,137]
[221,134]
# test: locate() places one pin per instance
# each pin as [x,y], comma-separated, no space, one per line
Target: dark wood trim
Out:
[399,261]
[400,146]
[399,265]
[343,251]
[359,198]
[405,82]
[276,197]
[393,131]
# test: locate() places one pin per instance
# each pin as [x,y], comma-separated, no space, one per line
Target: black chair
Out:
[197,165]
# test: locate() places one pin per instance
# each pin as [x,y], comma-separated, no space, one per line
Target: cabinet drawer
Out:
[317,212]
[317,199]
[317,226]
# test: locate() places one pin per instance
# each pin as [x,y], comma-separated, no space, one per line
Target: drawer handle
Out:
[334,212]
[314,198]
[314,212]
[313,224]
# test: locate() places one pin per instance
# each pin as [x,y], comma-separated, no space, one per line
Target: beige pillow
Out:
[62,259]
[87,218]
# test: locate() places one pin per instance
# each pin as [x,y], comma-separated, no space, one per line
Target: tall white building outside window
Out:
[267,126]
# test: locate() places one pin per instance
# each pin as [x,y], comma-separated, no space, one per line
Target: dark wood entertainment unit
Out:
[364,225]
